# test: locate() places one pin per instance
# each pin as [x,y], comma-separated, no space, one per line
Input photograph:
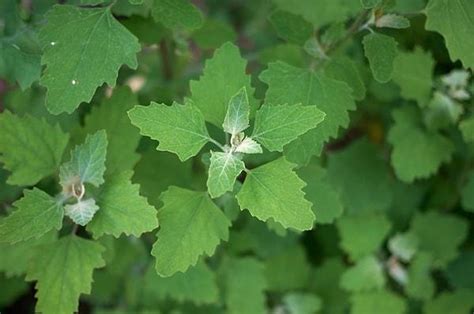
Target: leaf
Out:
[81,212]
[455,21]
[223,76]
[244,285]
[291,27]
[420,285]
[87,163]
[214,33]
[413,72]
[276,126]
[291,85]
[457,301]
[382,301]
[302,303]
[177,14]
[224,169]
[369,4]
[180,129]
[366,275]
[467,194]
[359,242]
[404,246]
[30,148]
[75,68]
[416,153]
[63,272]
[460,272]
[249,146]
[122,209]
[344,69]
[381,51]
[392,21]
[197,284]
[467,129]
[191,225]
[36,213]
[237,117]
[275,191]
[122,137]
[442,112]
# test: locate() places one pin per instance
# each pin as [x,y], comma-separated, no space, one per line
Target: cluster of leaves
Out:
[324,164]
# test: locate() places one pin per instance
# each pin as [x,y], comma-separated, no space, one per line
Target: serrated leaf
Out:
[381,51]
[224,169]
[63,271]
[467,129]
[442,112]
[30,148]
[122,209]
[344,69]
[455,21]
[413,72]
[180,129]
[457,301]
[290,85]
[249,146]
[420,285]
[366,275]
[214,33]
[75,68]
[81,212]
[404,246]
[416,153]
[291,27]
[177,14]
[237,117]
[191,226]
[87,163]
[36,213]
[274,191]
[382,301]
[276,126]
[224,75]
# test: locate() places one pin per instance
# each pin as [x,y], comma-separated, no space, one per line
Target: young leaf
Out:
[81,212]
[381,51]
[237,117]
[365,275]
[122,209]
[191,225]
[291,85]
[36,213]
[274,191]
[180,129]
[276,126]
[63,271]
[455,21]
[177,14]
[224,75]
[248,146]
[224,169]
[87,164]
[392,21]
[30,148]
[75,68]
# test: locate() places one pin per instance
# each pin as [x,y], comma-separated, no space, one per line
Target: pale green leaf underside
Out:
[224,169]
[83,48]
[274,191]
[180,129]
[122,209]
[63,271]
[276,126]
[237,117]
[381,51]
[30,148]
[36,213]
[81,212]
[190,225]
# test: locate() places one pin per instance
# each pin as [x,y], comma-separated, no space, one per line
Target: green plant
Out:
[269,156]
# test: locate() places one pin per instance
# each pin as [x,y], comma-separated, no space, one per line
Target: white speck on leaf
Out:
[74,82]
[53,43]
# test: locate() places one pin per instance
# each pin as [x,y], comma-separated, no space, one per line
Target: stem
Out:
[74,229]
[165,60]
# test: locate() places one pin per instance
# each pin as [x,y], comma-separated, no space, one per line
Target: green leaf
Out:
[392,21]
[224,169]
[381,51]
[248,146]
[122,137]
[344,69]
[377,302]
[224,75]
[442,112]
[237,117]
[276,126]
[420,285]
[87,163]
[244,285]
[30,148]
[404,246]
[36,213]
[455,21]
[369,4]
[467,194]
[302,303]
[467,129]
[191,225]
[457,301]
[365,275]
[122,209]
[81,212]
[197,284]
[63,271]
[359,242]
[417,153]
[461,271]
[275,191]
[291,27]
[180,129]
[214,33]
[413,72]
[75,68]
[177,14]
[291,85]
